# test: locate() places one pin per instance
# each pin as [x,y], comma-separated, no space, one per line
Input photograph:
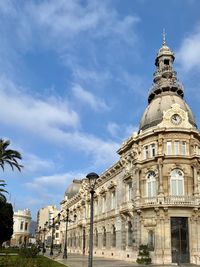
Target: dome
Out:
[153,114]
[73,189]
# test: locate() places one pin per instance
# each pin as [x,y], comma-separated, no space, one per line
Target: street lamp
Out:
[44,231]
[52,233]
[67,220]
[92,177]
[66,228]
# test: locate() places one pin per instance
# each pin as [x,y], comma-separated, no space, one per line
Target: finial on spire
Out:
[164,36]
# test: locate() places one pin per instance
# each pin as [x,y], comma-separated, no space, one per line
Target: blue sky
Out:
[74,78]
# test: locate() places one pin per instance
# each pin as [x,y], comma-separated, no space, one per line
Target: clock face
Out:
[176,119]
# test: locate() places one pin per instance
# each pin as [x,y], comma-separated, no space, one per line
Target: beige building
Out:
[44,222]
[21,231]
[152,194]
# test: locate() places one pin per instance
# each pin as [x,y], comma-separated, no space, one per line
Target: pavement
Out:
[77,260]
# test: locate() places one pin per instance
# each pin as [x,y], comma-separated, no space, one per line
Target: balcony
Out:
[126,207]
[184,201]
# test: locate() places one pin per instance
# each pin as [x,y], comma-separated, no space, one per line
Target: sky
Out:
[74,81]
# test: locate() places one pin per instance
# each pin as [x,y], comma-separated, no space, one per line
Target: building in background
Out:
[44,225]
[152,194]
[21,228]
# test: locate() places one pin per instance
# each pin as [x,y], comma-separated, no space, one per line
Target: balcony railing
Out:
[170,200]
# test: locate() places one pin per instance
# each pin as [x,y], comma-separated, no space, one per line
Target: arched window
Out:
[177,183]
[151,184]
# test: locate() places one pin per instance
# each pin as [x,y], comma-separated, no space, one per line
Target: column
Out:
[160,190]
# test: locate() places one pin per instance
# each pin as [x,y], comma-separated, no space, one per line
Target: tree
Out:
[8,156]
[6,221]
[2,190]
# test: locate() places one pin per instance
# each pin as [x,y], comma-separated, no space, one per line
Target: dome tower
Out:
[165,92]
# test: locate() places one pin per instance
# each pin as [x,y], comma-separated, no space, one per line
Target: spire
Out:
[164,36]
[165,79]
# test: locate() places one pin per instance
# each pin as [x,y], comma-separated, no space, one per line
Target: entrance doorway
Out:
[179,240]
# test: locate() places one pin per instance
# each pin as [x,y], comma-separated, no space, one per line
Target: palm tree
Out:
[8,156]
[2,190]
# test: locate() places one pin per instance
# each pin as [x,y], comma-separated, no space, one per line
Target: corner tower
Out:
[163,163]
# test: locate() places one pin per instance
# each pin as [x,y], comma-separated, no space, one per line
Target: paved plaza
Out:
[76,260]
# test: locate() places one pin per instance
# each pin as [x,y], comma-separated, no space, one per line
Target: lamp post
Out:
[92,177]
[44,231]
[52,233]
[66,229]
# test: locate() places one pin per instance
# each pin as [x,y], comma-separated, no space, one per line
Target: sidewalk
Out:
[76,260]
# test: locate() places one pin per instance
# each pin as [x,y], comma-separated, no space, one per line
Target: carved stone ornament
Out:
[175,117]
[149,222]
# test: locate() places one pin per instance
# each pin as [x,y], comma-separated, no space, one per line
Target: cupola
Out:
[166,90]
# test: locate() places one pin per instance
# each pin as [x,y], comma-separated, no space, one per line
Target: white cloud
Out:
[53,120]
[86,97]
[121,131]
[32,113]
[189,51]
[68,19]
[33,163]
[56,180]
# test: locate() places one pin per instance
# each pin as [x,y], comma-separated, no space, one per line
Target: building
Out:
[44,225]
[21,228]
[152,194]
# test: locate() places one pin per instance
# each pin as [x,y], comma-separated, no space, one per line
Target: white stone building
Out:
[152,194]
[21,232]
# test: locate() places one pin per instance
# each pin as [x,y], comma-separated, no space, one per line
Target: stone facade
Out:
[152,194]
[21,232]
[44,222]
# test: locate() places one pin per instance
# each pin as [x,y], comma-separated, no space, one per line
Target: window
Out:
[113,236]
[151,184]
[149,151]
[146,152]
[176,148]
[151,239]
[103,204]
[177,183]
[129,191]
[95,207]
[57,235]
[104,236]
[113,199]
[169,148]
[26,226]
[152,150]
[130,234]
[96,238]
[21,225]
[184,148]
[166,61]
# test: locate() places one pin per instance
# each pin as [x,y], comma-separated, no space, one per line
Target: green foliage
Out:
[8,156]
[143,255]
[29,252]
[2,190]
[6,221]
[17,261]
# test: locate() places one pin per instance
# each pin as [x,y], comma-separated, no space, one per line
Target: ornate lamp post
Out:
[44,231]
[66,229]
[67,220]
[92,177]
[52,233]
